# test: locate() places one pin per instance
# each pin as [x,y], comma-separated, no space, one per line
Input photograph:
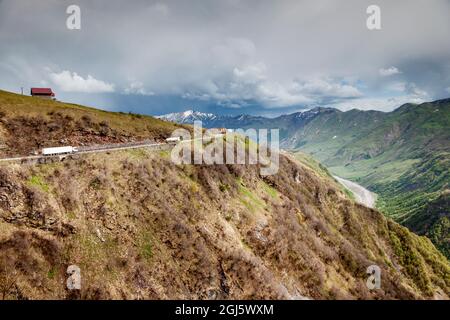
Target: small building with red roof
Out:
[45,93]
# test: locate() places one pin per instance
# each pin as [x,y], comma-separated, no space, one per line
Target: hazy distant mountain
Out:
[285,122]
[210,120]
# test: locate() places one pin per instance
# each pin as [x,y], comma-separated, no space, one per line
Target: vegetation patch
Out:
[250,199]
[39,182]
[146,246]
[272,192]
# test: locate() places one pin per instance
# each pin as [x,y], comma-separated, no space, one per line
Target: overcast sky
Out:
[228,56]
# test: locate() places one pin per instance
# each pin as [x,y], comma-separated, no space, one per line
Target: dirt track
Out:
[361,194]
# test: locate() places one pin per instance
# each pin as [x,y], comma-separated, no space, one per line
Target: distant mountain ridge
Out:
[210,120]
[188,117]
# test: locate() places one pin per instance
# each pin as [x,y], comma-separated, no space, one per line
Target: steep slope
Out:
[140,227]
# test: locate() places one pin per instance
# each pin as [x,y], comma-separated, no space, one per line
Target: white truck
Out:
[173,139]
[59,151]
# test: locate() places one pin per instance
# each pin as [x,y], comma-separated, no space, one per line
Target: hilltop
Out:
[28,124]
[141,227]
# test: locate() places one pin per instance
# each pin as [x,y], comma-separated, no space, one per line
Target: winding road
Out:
[121,146]
[362,195]
[102,148]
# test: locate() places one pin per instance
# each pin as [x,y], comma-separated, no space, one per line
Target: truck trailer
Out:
[58,151]
[173,139]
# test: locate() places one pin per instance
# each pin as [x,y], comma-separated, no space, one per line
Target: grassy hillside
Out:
[140,227]
[409,132]
[28,124]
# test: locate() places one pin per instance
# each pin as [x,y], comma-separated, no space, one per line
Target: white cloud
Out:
[160,8]
[276,95]
[397,86]
[71,82]
[248,83]
[252,82]
[381,104]
[389,71]
[448,89]
[327,88]
[411,94]
[414,91]
[137,87]
[251,73]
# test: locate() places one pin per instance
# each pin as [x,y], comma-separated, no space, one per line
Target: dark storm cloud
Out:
[228,55]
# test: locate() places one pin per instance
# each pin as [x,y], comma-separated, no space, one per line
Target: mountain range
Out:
[403,155]
[189,116]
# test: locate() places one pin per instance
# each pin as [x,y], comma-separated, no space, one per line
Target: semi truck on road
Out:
[173,139]
[56,151]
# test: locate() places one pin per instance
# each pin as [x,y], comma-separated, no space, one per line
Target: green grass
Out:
[71,215]
[371,171]
[349,194]
[311,163]
[137,153]
[38,181]
[164,154]
[15,105]
[146,246]
[402,242]
[250,200]
[407,190]
[273,193]
[51,273]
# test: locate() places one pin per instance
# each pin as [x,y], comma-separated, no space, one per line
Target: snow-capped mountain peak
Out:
[188,116]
